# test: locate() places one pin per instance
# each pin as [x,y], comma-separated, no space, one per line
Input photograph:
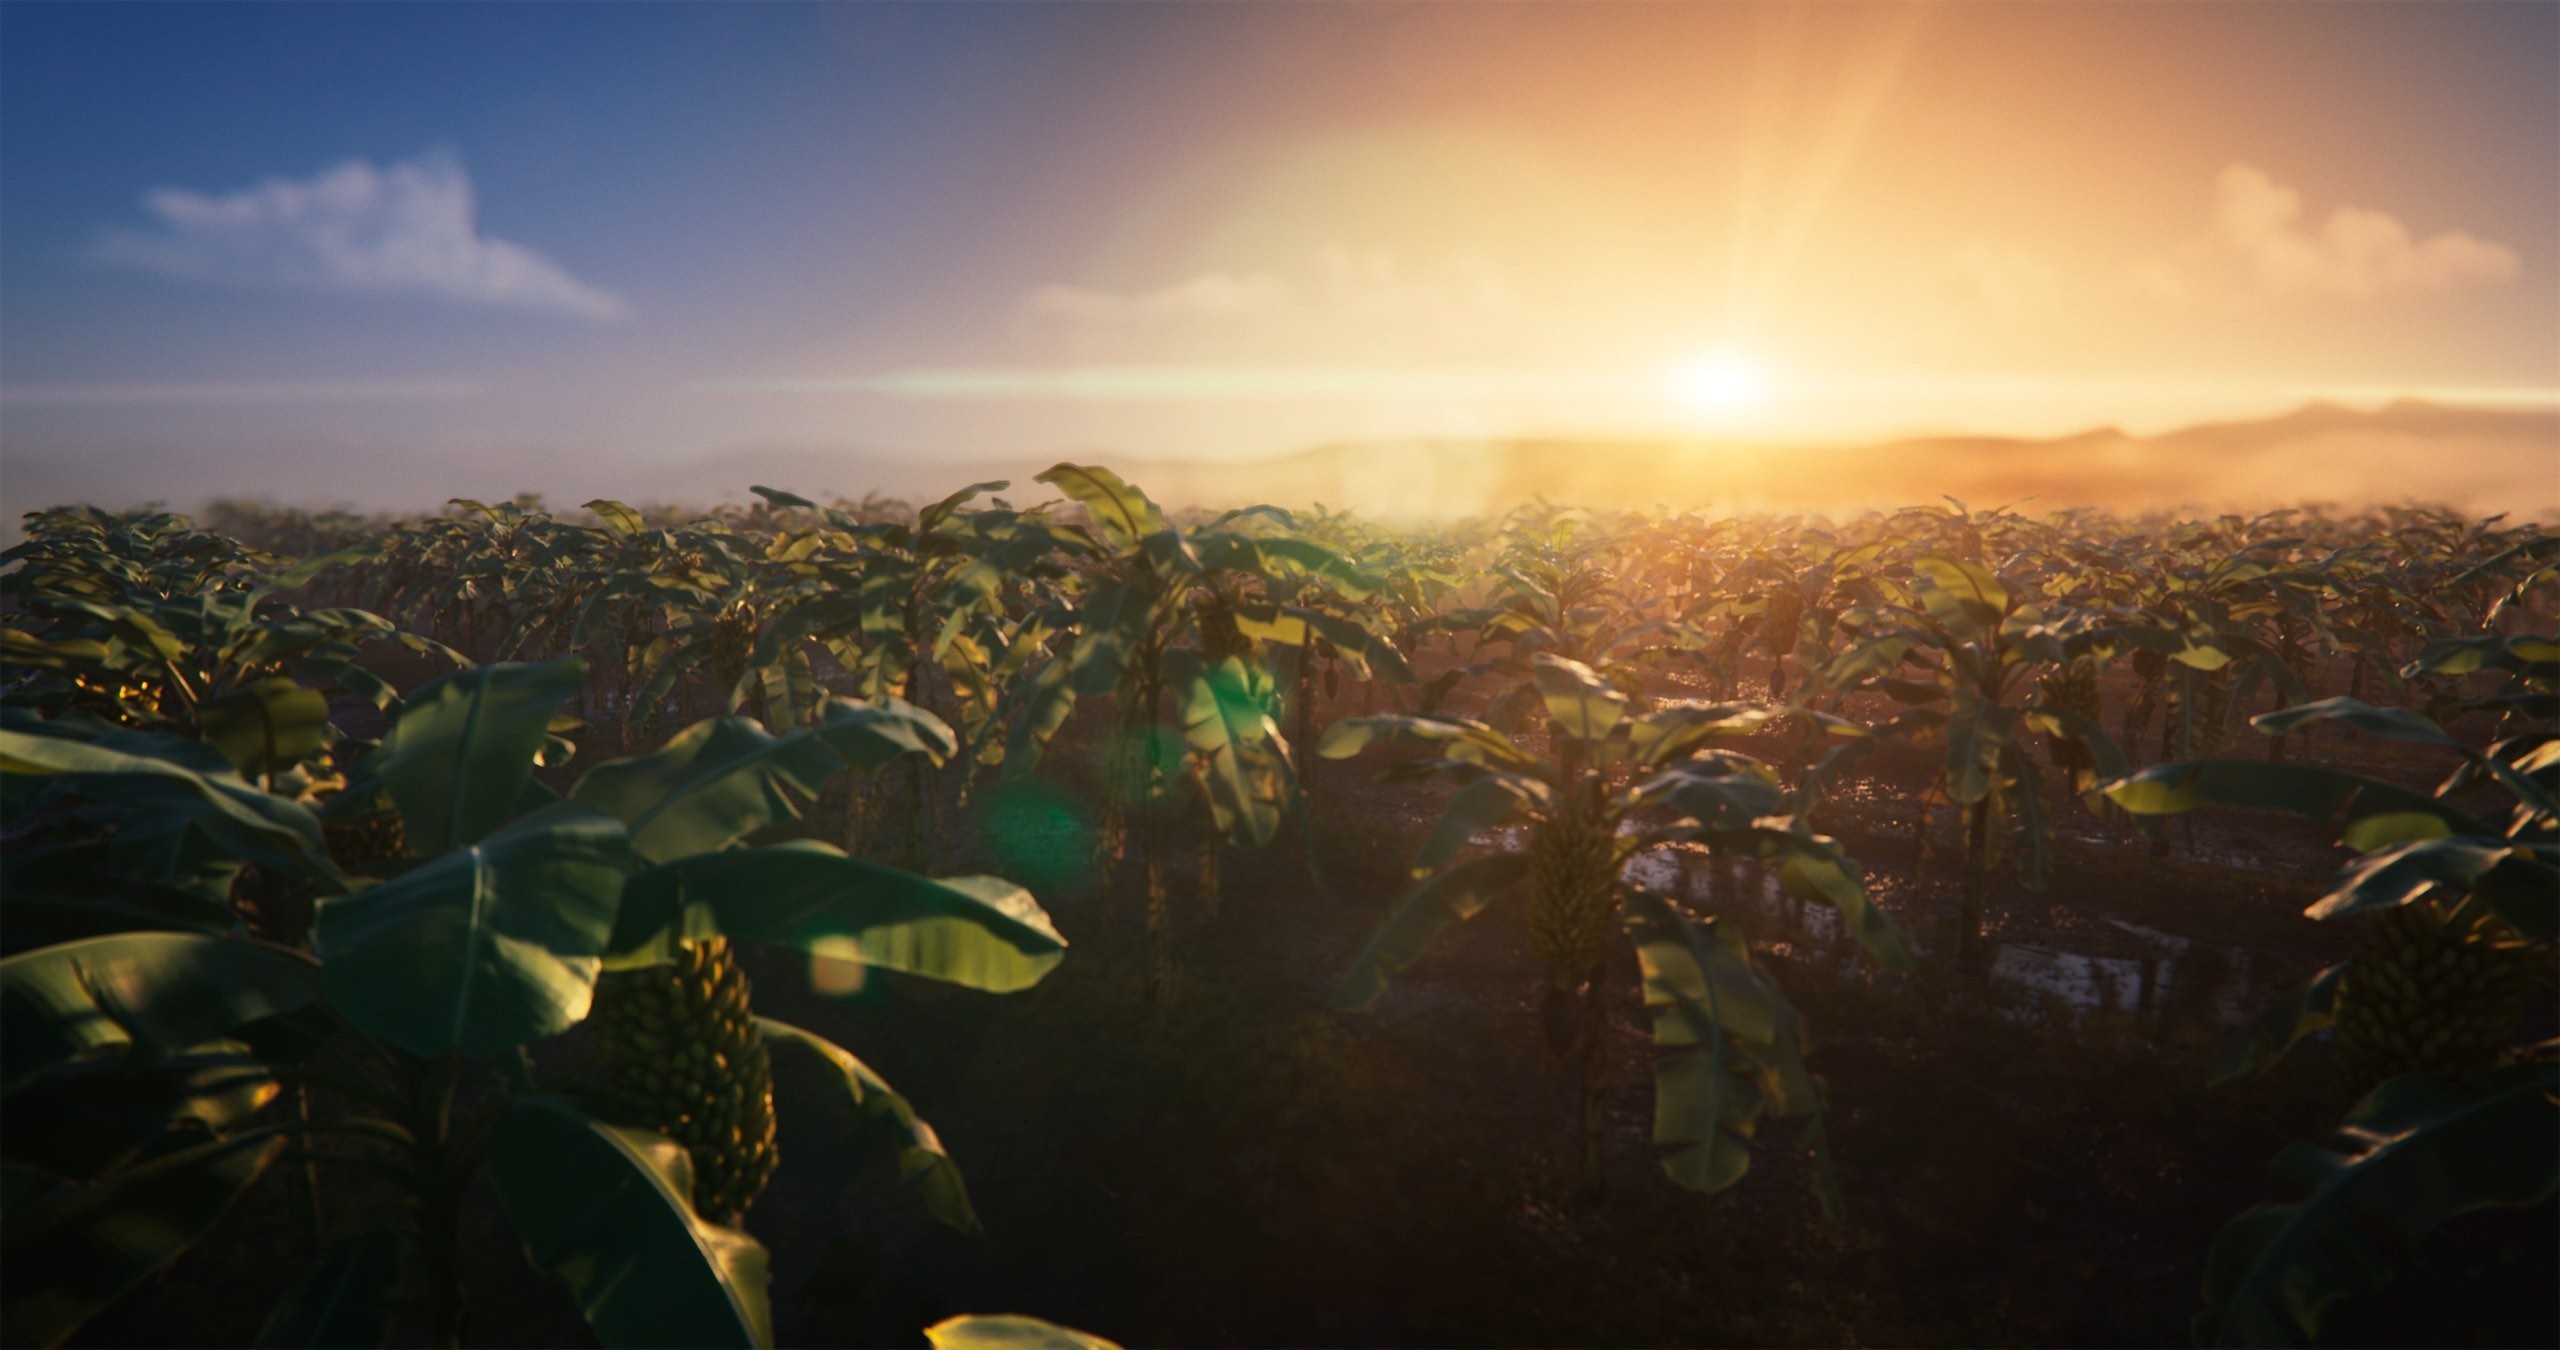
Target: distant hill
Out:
[2481,460]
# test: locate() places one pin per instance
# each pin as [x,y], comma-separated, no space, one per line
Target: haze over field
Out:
[1414,256]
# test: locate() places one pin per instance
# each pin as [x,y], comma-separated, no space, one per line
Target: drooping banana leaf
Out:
[73,1254]
[1735,1048]
[1009,1331]
[2416,1152]
[2303,1010]
[922,1161]
[145,996]
[605,1209]
[1227,723]
[2300,789]
[980,932]
[1461,892]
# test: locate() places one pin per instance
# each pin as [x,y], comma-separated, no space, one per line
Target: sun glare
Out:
[1721,383]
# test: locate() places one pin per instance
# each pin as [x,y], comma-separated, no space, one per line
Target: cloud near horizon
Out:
[2358,252]
[121,393]
[1373,292]
[408,227]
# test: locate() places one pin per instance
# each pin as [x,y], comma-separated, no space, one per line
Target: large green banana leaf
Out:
[2306,1008]
[1009,1331]
[2301,789]
[1734,1049]
[718,779]
[483,949]
[146,995]
[267,726]
[1474,808]
[461,750]
[605,1209]
[1579,703]
[80,1120]
[1120,514]
[981,932]
[148,776]
[2416,1152]
[1461,892]
[921,1158]
[1227,723]
[77,1251]
[868,736]
[2520,882]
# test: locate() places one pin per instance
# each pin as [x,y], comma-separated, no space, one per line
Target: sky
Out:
[390,253]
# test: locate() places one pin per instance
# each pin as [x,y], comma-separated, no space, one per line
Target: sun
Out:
[1722,382]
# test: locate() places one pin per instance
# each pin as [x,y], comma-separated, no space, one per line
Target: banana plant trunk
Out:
[1159,915]
[1153,821]
[1306,701]
[1977,832]
[1595,1082]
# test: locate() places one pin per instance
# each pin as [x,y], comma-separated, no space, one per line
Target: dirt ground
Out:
[2029,1156]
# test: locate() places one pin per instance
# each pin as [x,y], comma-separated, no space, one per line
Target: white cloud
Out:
[405,228]
[2357,252]
[1340,299]
[1213,296]
[1455,290]
[230,392]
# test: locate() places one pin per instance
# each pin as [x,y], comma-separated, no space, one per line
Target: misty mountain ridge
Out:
[2479,460]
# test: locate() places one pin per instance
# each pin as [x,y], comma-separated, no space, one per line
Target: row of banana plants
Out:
[491,977]
[954,643]
[242,942]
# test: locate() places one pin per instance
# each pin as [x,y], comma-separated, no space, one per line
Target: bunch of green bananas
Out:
[2073,689]
[2202,725]
[1785,619]
[681,1054]
[1573,895]
[2427,995]
[1220,637]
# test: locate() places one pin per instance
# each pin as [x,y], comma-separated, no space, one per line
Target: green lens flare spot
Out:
[1038,836]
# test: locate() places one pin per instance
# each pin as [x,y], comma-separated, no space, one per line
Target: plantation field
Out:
[505,927]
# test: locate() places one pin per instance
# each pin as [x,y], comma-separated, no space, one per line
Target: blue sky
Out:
[387,253]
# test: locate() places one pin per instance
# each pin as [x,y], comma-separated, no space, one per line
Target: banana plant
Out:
[951,611]
[2416,1153]
[1168,623]
[1556,590]
[203,649]
[2530,694]
[1980,645]
[2461,912]
[495,916]
[1318,618]
[1614,786]
[227,661]
[1414,576]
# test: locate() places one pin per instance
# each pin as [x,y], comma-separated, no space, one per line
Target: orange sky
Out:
[1231,231]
